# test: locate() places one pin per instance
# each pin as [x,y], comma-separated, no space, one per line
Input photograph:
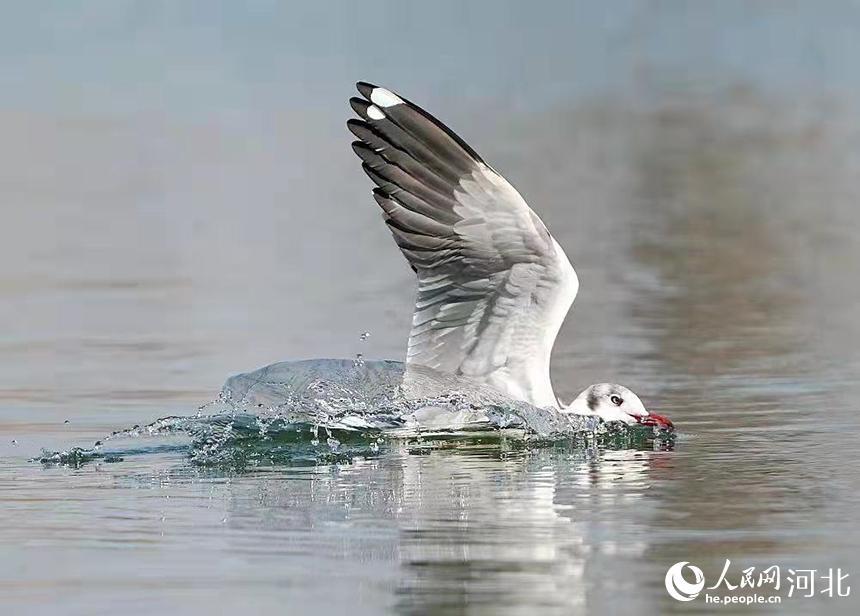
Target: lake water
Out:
[145,258]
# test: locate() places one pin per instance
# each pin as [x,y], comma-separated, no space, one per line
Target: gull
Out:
[494,286]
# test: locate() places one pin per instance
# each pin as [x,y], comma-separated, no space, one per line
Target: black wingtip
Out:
[362,149]
[365,88]
[359,105]
[382,197]
[357,127]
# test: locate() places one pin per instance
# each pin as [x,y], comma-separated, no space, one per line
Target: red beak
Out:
[653,419]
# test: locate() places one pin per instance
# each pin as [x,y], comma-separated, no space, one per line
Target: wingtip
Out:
[359,105]
[380,97]
[381,196]
[357,127]
[361,148]
[365,89]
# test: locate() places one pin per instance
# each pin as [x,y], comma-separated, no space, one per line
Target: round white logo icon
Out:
[679,588]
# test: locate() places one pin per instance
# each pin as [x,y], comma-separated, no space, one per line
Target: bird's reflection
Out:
[485,526]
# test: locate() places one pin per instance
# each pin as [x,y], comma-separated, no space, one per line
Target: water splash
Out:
[243,440]
[331,411]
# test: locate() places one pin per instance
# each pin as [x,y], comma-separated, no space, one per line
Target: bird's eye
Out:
[616,400]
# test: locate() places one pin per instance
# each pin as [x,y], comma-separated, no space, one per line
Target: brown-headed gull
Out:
[493,285]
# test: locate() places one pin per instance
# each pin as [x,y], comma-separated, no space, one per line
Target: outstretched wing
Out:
[493,284]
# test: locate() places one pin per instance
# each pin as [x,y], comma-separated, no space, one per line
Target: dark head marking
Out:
[591,401]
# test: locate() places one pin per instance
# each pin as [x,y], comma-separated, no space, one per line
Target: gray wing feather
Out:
[493,285]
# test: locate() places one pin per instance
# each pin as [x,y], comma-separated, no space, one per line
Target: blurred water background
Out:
[180,203]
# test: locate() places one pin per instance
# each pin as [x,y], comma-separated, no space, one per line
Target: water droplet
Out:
[317,386]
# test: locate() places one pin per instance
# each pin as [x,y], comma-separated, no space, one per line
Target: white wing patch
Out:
[375,113]
[384,98]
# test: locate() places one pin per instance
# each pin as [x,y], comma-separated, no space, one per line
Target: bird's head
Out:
[612,402]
